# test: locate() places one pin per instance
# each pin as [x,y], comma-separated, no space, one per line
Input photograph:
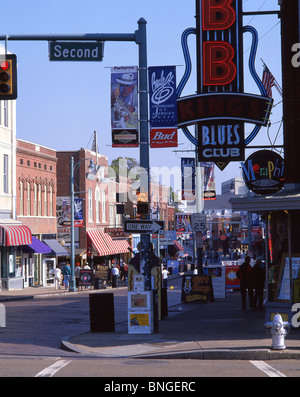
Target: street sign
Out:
[75,51]
[198,222]
[143,227]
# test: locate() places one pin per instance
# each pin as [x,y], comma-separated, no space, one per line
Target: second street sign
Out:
[137,226]
[75,51]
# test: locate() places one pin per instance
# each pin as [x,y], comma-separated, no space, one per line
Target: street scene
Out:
[149,192]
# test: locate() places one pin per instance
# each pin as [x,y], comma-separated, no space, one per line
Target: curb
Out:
[201,354]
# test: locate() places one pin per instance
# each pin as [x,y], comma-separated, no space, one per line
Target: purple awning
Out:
[37,246]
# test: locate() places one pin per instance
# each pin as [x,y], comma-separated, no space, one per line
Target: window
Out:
[97,199]
[90,203]
[46,202]
[35,164]
[111,215]
[40,200]
[28,199]
[21,161]
[21,198]
[51,200]
[5,173]
[28,162]
[5,112]
[35,199]
[103,207]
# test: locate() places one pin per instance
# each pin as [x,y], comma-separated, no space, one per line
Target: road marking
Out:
[50,371]
[267,369]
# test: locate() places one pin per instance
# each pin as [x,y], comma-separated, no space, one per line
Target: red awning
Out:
[105,245]
[15,235]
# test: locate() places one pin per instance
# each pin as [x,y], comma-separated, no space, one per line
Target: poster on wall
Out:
[124,106]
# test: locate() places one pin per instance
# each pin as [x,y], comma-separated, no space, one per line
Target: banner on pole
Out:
[124,106]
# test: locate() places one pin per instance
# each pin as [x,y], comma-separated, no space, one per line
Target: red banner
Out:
[163,137]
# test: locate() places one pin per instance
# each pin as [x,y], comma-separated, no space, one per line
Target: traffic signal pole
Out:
[139,37]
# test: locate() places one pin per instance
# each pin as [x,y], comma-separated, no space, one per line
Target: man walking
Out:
[245,275]
[66,271]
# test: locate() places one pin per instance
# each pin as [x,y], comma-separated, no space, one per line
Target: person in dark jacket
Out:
[245,275]
[259,283]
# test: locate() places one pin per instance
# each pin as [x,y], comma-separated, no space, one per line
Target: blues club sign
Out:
[221,108]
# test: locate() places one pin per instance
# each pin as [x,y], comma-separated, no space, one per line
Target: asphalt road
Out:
[30,346]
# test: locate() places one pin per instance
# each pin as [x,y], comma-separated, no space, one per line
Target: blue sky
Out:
[60,104]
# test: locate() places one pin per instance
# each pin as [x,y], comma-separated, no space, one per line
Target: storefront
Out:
[51,260]
[13,235]
[281,213]
[105,251]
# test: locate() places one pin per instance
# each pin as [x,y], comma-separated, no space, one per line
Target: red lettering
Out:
[218,68]
[217,14]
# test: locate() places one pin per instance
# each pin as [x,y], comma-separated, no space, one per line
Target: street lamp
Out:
[72,285]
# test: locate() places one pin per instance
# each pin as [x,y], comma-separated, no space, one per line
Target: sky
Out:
[61,104]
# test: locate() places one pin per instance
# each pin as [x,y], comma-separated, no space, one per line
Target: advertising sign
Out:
[263,172]
[196,288]
[124,106]
[188,169]
[183,223]
[163,106]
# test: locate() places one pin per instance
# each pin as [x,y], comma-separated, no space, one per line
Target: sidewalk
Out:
[215,330]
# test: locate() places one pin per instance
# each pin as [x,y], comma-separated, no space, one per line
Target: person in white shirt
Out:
[165,274]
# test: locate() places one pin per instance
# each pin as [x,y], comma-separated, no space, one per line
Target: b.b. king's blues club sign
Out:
[221,108]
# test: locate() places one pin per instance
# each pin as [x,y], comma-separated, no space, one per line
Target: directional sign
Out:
[75,51]
[198,222]
[143,227]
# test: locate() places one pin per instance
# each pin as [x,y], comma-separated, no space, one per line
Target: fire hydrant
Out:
[278,329]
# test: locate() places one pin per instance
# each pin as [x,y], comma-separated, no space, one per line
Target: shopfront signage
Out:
[263,172]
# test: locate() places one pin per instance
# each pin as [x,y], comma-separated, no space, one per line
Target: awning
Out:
[37,246]
[105,245]
[56,248]
[12,235]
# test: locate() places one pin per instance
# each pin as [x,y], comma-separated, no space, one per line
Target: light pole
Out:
[72,285]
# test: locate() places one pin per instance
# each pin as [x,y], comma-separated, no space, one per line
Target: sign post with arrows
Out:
[143,226]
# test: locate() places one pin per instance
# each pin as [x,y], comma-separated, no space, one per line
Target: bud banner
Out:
[163,106]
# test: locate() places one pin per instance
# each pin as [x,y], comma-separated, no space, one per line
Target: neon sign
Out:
[220,103]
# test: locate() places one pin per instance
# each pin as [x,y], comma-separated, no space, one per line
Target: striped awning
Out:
[12,235]
[105,245]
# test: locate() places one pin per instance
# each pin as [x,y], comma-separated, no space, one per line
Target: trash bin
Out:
[98,283]
[115,282]
[102,316]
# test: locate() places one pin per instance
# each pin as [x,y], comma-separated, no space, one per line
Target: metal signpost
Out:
[70,51]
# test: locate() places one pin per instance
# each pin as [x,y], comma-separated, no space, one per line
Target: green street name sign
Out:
[75,51]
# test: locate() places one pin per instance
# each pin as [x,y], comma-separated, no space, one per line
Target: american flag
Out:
[268,81]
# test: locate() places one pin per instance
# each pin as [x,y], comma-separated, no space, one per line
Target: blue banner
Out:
[78,205]
[163,99]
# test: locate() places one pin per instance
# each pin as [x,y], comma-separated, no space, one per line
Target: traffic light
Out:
[142,208]
[8,76]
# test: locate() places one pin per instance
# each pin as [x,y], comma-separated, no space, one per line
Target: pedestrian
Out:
[259,283]
[86,266]
[66,271]
[245,275]
[57,277]
[77,273]
[115,276]
[164,275]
